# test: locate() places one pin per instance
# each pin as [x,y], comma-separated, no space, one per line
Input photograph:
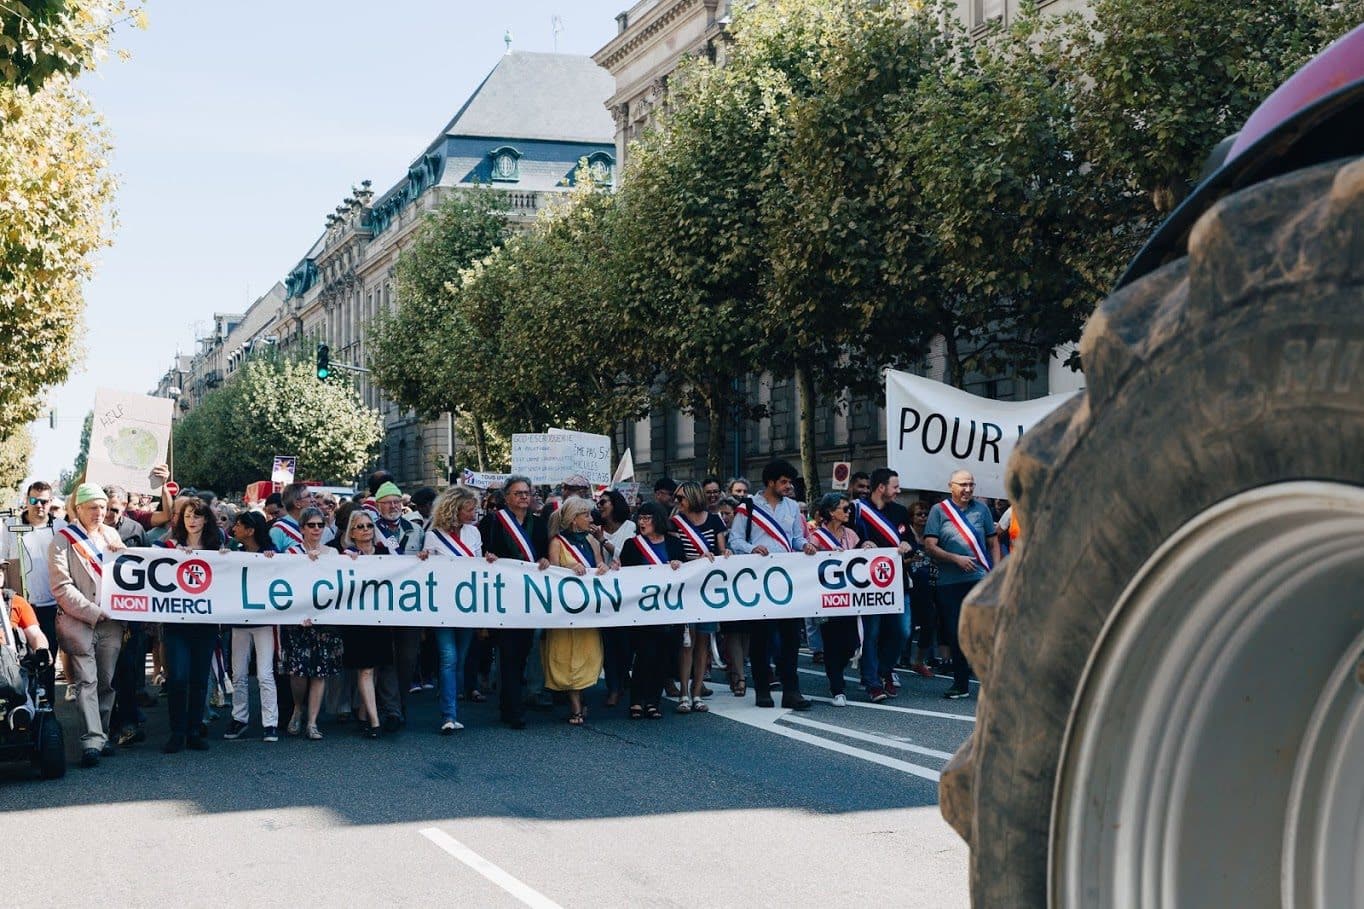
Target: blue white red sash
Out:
[517,534]
[825,540]
[392,544]
[646,549]
[90,556]
[454,545]
[966,532]
[583,559]
[767,524]
[295,550]
[688,533]
[877,522]
[290,528]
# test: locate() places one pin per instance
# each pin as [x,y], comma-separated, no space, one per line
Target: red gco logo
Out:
[194,576]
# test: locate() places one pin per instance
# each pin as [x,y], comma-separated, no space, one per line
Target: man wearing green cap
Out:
[76,562]
[402,537]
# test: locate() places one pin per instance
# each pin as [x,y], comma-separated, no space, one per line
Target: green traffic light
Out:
[323,373]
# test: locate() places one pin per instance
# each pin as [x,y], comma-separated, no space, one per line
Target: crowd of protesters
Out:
[369,675]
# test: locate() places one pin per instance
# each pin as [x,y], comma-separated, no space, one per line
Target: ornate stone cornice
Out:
[609,57]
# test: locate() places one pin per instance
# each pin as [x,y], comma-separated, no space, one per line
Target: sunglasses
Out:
[33,501]
[363,527]
[315,524]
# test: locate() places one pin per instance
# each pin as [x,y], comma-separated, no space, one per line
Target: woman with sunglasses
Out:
[832,534]
[572,657]
[251,533]
[702,536]
[614,531]
[311,654]
[653,643]
[365,648]
[189,645]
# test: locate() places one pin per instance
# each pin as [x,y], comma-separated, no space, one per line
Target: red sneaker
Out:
[891,688]
[921,669]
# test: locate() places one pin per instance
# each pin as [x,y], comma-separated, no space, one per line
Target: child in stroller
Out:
[28,727]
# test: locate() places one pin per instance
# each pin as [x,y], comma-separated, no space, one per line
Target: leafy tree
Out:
[275,407]
[15,452]
[413,353]
[57,188]
[46,39]
[83,456]
[1165,82]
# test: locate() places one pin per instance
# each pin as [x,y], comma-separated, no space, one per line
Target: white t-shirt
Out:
[36,544]
[468,535]
[623,533]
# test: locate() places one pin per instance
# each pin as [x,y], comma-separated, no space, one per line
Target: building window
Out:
[602,167]
[504,164]
[986,11]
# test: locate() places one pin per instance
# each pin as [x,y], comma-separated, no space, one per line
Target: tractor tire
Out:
[51,754]
[1172,709]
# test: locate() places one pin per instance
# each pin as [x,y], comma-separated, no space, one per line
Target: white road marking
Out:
[915,710]
[765,718]
[522,892]
[857,680]
[883,741]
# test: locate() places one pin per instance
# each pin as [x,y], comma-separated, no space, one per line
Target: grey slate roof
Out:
[554,97]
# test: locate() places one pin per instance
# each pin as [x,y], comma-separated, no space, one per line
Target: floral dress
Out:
[311,653]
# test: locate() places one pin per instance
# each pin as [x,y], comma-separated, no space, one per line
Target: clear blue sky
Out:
[238,127]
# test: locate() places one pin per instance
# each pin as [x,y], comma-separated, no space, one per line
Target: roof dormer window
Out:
[504,164]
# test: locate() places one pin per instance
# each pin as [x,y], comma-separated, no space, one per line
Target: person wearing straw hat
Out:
[76,563]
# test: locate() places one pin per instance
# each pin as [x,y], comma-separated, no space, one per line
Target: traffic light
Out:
[324,361]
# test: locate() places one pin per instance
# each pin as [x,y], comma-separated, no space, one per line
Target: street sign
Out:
[842,473]
[172,487]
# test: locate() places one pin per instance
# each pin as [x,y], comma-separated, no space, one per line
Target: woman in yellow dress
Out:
[573,656]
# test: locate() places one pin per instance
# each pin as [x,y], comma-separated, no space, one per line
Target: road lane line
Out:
[891,707]
[883,741]
[765,718]
[857,680]
[522,892]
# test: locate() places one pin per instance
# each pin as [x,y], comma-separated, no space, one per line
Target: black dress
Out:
[367,646]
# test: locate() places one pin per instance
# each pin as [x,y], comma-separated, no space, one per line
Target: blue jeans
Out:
[813,636]
[188,658]
[452,646]
[883,637]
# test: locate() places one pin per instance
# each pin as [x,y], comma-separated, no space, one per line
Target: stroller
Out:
[29,730]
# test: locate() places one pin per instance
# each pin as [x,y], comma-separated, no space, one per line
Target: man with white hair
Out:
[961,537]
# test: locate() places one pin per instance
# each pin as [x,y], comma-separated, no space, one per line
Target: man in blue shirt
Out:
[961,537]
[769,523]
[883,522]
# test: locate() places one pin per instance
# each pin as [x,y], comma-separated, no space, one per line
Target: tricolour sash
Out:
[578,555]
[517,534]
[825,540]
[767,524]
[290,529]
[91,558]
[878,523]
[453,545]
[966,531]
[647,551]
[688,533]
[295,550]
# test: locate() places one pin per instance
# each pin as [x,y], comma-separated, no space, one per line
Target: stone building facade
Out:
[523,131]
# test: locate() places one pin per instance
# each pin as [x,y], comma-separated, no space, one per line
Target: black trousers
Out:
[47,621]
[654,652]
[840,643]
[950,597]
[788,647]
[130,677]
[513,646]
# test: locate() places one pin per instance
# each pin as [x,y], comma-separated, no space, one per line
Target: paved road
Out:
[739,807]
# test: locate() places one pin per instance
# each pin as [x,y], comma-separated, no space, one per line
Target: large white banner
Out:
[933,429]
[167,585]
[128,437]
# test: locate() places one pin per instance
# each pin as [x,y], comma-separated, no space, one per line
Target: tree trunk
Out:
[954,370]
[480,443]
[805,411]
[717,412]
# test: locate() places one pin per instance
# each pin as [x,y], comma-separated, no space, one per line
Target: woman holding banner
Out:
[364,648]
[572,657]
[702,536]
[832,534]
[76,562]
[310,654]
[453,534]
[653,643]
[251,533]
[189,645]
[614,530]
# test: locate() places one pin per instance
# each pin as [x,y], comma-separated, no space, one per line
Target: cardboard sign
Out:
[548,457]
[129,436]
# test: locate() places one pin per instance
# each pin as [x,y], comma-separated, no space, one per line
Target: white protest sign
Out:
[282,469]
[535,456]
[933,429]
[586,453]
[129,436]
[168,585]
[483,480]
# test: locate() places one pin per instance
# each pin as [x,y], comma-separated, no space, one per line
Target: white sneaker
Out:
[70,693]
[840,700]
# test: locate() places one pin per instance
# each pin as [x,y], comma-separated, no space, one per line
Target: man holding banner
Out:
[959,532]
